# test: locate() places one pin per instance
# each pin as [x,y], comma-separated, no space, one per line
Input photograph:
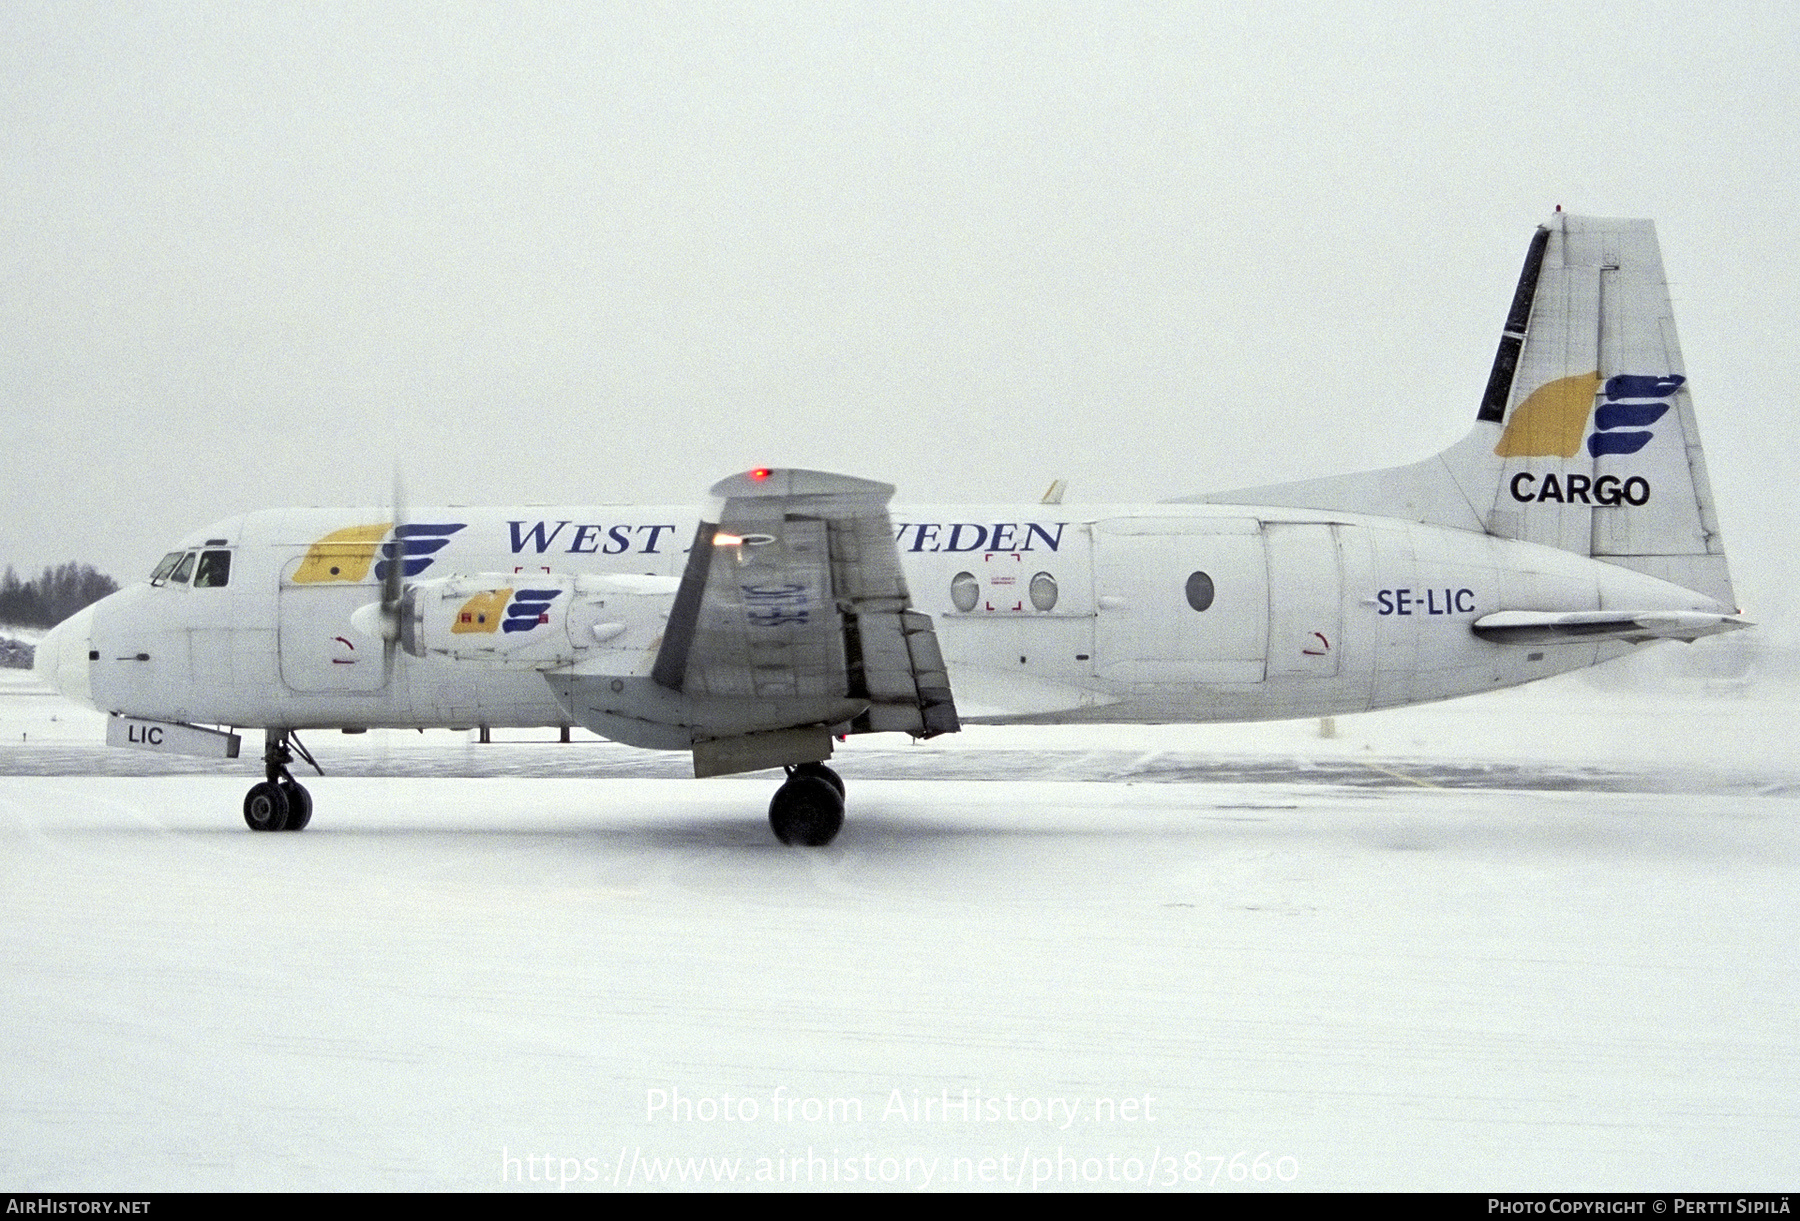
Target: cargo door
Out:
[1180,600]
[320,651]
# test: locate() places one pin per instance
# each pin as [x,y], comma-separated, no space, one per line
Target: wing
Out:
[792,622]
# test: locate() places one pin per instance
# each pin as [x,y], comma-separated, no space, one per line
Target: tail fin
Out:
[1585,439]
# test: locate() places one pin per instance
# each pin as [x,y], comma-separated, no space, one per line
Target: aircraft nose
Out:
[62,657]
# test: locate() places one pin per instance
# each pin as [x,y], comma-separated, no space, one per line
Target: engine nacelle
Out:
[536,622]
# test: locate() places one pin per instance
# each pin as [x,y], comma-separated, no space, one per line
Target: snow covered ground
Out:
[1542,939]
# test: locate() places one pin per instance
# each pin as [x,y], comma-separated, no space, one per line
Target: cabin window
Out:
[1043,592]
[185,569]
[167,566]
[1199,591]
[214,570]
[965,591]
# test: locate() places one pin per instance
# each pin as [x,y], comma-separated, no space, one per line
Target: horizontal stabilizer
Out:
[1638,627]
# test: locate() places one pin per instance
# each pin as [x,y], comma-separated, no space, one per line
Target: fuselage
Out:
[1048,613]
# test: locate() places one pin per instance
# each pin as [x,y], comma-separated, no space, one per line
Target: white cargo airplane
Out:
[1575,521]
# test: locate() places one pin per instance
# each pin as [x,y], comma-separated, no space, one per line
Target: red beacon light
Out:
[761,473]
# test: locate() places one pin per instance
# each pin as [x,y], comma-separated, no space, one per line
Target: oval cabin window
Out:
[1199,591]
[1043,592]
[965,591]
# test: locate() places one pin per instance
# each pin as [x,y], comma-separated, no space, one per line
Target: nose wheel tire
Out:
[807,811]
[299,805]
[266,807]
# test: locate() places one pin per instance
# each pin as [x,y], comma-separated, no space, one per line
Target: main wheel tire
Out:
[806,811]
[299,805]
[823,773]
[266,807]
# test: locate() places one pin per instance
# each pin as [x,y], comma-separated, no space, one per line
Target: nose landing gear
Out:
[808,810]
[279,803]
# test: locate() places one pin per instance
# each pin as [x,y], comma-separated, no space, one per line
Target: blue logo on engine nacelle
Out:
[528,609]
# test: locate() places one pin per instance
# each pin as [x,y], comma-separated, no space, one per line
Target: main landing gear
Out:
[808,810]
[279,803]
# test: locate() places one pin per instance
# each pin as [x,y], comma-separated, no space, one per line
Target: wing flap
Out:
[793,594]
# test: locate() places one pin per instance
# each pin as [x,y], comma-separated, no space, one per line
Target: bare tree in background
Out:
[57,593]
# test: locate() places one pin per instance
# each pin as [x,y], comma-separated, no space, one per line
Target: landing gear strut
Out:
[279,803]
[808,810]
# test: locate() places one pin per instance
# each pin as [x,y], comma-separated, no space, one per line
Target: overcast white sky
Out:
[614,252]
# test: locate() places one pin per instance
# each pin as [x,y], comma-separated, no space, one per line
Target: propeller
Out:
[393,583]
[382,619]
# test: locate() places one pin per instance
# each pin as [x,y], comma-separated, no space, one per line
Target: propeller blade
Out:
[393,582]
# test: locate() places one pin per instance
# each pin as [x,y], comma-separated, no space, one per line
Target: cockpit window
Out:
[165,567]
[185,569]
[214,570]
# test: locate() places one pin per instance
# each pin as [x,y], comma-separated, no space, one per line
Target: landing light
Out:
[723,539]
